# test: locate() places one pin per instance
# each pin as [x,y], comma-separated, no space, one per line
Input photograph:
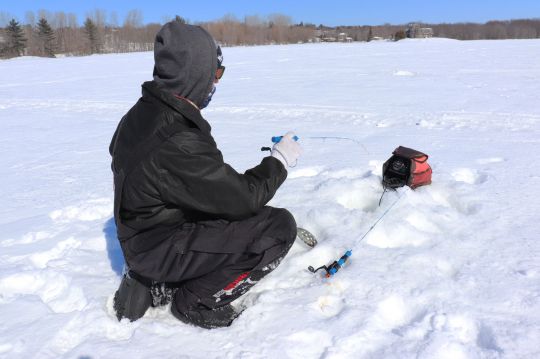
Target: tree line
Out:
[491,30]
[50,34]
[60,33]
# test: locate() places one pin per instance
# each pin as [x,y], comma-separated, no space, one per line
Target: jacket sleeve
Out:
[194,176]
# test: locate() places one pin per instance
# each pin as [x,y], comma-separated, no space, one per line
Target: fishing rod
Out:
[333,268]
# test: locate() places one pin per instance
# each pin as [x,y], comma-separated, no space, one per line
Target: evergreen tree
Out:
[46,37]
[16,42]
[91,31]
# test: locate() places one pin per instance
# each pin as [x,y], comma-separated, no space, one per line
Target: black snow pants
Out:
[252,248]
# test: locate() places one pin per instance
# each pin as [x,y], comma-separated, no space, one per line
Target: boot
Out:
[207,318]
[132,299]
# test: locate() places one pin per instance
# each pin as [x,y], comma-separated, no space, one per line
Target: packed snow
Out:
[452,271]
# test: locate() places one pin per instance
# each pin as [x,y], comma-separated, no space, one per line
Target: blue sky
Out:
[329,12]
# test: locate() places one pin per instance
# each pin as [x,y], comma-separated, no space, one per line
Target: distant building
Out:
[329,36]
[333,36]
[416,32]
[343,37]
[3,42]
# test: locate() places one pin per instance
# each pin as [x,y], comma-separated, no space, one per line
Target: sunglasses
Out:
[219,72]
[220,69]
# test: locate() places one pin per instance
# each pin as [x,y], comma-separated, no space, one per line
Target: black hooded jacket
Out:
[184,179]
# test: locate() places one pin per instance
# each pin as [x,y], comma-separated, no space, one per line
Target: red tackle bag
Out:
[406,167]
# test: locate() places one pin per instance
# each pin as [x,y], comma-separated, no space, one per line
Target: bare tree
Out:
[280,20]
[98,17]
[279,24]
[253,21]
[72,21]
[255,30]
[30,18]
[45,14]
[113,19]
[5,18]
[73,38]
[134,18]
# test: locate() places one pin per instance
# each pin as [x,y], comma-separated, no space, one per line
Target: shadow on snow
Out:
[114,251]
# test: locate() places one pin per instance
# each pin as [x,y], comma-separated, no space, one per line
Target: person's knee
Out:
[285,222]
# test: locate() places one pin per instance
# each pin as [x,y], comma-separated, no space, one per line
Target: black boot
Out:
[207,318]
[132,299]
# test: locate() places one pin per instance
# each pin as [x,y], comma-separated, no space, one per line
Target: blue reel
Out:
[276,139]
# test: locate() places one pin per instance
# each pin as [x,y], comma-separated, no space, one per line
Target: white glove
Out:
[287,150]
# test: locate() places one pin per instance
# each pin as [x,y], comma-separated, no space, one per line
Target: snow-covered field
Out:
[453,270]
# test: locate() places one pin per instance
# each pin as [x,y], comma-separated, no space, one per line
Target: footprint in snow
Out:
[91,210]
[391,313]
[309,343]
[53,289]
[28,238]
[527,269]
[59,251]
[329,305]
[469,176]
[421,222]
[465,329]
[90,324]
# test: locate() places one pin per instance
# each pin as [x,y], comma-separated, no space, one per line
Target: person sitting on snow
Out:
[192,229]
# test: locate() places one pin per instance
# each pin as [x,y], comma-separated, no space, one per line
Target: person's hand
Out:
[287,150]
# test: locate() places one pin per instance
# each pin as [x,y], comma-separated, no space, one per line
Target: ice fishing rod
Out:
[337,265]
[276,139]
[334,267]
